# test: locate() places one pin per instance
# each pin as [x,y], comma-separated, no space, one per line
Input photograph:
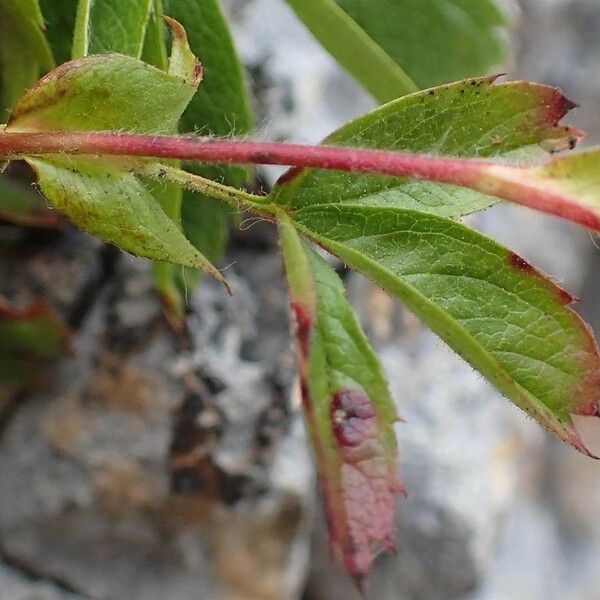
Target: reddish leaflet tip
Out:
[198,71]
[519,263]
[572,437]
[590,403]
[558,104]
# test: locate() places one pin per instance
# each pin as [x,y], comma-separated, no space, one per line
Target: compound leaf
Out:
[114,205]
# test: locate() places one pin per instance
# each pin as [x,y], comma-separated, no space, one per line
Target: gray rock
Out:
[99,490]
[16,586]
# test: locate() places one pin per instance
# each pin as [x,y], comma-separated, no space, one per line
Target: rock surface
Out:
[112,497]
[15,586]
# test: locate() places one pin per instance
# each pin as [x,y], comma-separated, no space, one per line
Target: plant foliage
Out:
[399,227]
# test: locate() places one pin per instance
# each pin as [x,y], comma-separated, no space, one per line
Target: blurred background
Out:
[148,470]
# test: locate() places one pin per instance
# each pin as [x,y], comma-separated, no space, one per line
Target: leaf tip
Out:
[368,483]
[557,103]
[183,62]
[574,439]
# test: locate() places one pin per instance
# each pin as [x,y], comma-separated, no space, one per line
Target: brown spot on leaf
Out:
[352,415]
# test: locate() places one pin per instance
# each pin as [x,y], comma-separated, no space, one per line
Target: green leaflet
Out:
[220,107]
[112,92]
[59,16]
[352,47]
[205,222]
[501,315]
[114,205]
[103,92]
[110,26]
[347,408]
[24,51]
[472,118]
[435,41]
[155,49]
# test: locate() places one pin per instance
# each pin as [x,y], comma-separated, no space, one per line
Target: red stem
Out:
[446,170]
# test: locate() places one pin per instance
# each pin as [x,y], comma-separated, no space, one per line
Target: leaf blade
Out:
[24,50]
[62,99]
[115,206]
[347,406]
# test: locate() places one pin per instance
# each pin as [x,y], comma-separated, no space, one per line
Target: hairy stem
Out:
[446,170]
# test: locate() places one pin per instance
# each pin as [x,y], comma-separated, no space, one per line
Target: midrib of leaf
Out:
[351,46]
